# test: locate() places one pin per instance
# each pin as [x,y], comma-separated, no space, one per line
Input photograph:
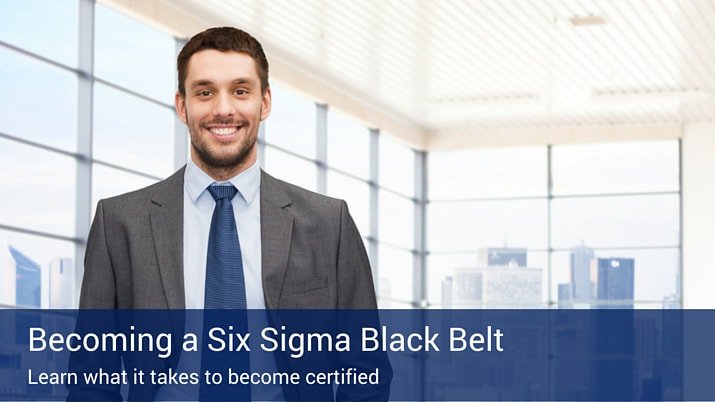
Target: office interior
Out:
[493,154]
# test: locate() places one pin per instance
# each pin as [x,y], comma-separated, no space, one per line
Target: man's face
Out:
[223,108]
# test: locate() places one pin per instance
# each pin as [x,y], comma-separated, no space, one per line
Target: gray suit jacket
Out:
[312,253]
[312,258]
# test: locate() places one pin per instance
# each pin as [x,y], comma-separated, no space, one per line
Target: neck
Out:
[224,173]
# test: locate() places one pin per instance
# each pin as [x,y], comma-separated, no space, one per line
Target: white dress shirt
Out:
[198,210]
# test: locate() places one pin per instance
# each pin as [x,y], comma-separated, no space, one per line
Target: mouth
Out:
[223,132]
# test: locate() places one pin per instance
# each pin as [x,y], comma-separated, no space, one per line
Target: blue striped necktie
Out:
[225,286]
[225,289]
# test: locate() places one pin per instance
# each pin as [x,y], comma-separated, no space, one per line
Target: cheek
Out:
[196,117]
[253,110]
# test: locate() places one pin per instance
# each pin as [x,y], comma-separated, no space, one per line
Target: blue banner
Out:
[400,355]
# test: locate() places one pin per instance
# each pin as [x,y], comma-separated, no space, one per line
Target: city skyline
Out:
[26,283]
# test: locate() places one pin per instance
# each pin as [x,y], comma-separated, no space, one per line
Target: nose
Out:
[223,106]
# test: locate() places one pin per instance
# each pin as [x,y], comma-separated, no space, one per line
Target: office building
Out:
[580,268]
[497,286]
[61,284]
[504,256]
[564,298]
[28,279]
[467,287]
[512,287]
[447,292]
[614,279]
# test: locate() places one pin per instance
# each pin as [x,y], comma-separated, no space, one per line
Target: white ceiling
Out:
[453,66]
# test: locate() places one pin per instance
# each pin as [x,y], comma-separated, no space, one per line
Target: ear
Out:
[266,104]
[180,106]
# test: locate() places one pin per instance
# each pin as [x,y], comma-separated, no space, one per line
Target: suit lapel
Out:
[276,233]
[167,225]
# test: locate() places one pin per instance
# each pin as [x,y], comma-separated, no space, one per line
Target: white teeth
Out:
[223,130]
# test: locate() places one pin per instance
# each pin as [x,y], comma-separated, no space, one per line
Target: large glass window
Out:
[616,225]
[44,27]
[607,221]
[39,194]
[462,226]
[395,275]
[456,280]
[292,122]
[356,193]
[488,173]
[39,151]
[132,132]
[652,277]
[610,219]
[487,228]
[133,55]
[396,166]
[36,271]
[348,145]
[396,223]
[109,182]
[510,227]
[615,168]
[396,220]
[39,101]
[290,168]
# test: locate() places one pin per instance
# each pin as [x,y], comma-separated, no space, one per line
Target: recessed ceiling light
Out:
[492,98]
[665,93]
[587,20]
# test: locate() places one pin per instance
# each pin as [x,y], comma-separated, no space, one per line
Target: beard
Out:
[223,156]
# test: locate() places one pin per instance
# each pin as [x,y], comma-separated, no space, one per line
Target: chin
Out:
[224,160]
[222,156]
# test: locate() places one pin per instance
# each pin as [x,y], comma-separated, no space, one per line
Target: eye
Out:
[241,92]
[204,93]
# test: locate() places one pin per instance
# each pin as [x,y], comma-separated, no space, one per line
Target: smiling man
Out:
[220,232]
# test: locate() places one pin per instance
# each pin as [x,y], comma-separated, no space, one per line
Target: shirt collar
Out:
[247,182]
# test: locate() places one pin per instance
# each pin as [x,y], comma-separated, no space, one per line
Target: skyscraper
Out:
[447,290]
[564,297]
[614,278]
[502,256]
[497,286]
[500,279]
[61,283]
[581,284]
[467,286]
[512,287]
[28,278]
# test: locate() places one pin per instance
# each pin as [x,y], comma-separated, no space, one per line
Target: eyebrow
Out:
[243,81]
[199,83]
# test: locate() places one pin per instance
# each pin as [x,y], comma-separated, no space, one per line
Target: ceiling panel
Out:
[458,64]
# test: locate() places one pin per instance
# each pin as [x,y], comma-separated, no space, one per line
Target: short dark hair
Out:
[224,39]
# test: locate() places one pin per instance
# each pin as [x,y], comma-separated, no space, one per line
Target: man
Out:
[220,232]
[300,249]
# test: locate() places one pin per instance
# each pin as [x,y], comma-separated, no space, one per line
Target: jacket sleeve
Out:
[98,292]
[98,282]
[357,291]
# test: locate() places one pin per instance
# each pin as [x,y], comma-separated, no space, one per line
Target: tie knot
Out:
[222,192]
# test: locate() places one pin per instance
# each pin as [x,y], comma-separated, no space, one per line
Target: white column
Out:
[698,161]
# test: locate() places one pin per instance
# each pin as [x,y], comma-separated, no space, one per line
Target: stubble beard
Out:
[212,160]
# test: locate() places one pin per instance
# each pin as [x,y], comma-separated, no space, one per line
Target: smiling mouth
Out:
[223,131]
